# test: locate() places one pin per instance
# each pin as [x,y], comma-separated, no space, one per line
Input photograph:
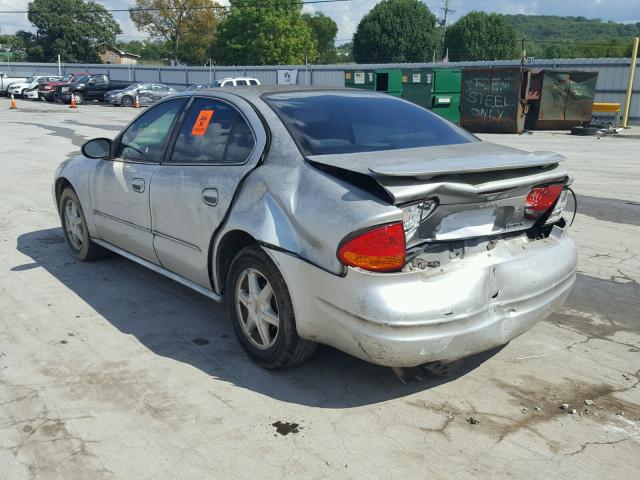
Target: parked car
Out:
[234,82]
[6,81]
[335,216]
[47,90]
[147,94]
[88,87]
[194,86]
[23,89]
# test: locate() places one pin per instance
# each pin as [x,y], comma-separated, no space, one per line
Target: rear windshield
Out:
[324,123]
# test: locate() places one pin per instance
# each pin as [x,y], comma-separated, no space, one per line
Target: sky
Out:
[348,14]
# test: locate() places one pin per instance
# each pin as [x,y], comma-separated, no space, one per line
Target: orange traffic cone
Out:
[137,104]
[13,103]
[73,102]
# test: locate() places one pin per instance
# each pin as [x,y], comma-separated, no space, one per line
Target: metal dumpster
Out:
[494,100]
[560,99]
[416,86]
[445,97]
[360,79]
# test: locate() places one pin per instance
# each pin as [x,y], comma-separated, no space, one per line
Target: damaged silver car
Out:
[342,217]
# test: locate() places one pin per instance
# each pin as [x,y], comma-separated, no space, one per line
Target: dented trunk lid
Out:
[480,188]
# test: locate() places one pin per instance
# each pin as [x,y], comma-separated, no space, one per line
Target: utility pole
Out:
[446,10]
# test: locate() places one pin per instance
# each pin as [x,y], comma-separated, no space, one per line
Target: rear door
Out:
[98,86]
[120,193]
[220,140]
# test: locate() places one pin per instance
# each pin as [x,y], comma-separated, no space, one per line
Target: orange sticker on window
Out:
[202,122]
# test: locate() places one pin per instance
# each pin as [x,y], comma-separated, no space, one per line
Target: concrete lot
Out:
[108,370]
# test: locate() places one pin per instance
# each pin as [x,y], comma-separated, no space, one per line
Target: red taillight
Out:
[541,199]
[381,249]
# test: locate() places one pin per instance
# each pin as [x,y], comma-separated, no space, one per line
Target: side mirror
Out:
[97,148]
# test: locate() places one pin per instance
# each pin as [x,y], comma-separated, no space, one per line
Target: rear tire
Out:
[262,315]
[79,98]
[74,226]
[127,101]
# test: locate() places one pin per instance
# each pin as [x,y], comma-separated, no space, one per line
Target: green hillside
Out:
[549,36]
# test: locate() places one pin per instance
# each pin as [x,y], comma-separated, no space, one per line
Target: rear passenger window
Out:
[241,142]
[241,82]
[213,132]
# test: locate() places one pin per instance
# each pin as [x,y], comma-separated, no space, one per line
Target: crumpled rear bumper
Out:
[411,318]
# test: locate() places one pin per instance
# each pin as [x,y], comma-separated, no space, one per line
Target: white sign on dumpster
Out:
[358,78]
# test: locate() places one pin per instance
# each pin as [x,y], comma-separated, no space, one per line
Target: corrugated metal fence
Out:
[612,74]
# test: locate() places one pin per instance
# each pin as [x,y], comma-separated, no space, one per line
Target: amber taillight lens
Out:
[380,249]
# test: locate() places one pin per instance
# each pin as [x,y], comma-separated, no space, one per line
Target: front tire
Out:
[127,101]
[74,226]
[261,311]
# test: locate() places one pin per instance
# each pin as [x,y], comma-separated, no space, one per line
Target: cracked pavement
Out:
[110,371]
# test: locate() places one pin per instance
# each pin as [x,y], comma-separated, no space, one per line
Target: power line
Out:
[208,7]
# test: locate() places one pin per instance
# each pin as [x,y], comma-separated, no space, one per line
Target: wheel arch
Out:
[60,185]
[225,251]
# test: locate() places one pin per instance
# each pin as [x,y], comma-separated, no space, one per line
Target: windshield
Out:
[30,79]
[82,79]
[217,83]
[325,123]
[135,86]
[67,78]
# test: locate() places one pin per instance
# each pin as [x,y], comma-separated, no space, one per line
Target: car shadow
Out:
[175,322]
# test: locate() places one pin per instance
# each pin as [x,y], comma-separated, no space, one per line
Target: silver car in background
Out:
[335,216]
[147,94]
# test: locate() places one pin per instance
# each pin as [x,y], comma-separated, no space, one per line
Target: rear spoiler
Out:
[456,173]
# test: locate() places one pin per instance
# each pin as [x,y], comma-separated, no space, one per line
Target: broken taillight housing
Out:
[380,249]
[541,199]
[413,215]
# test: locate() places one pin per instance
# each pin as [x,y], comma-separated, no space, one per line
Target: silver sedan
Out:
[147,94]
[334,216]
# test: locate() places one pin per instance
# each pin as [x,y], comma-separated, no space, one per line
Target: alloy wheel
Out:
[73,224]
[257,309]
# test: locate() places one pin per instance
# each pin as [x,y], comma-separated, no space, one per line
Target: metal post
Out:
[632,71]
[59,67]
[210,80]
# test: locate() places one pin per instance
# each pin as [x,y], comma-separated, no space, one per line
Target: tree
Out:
[481,36]
[395,31]
[264,32]
[12,48]
[188,26]
[323,31]
[76,30]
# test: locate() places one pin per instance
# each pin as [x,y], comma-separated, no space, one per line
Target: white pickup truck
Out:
[5,81]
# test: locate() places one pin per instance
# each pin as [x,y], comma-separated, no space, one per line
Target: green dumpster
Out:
[416,86]
[389,81]
[445,96]
[360,79]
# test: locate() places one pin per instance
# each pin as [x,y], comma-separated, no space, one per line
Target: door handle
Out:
[210,196]
[138,185]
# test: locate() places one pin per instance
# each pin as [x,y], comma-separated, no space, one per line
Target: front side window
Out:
[213,132]
[159,86]
[99,79]
[253,82]
[325,123]
[146,139]
[241,82]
